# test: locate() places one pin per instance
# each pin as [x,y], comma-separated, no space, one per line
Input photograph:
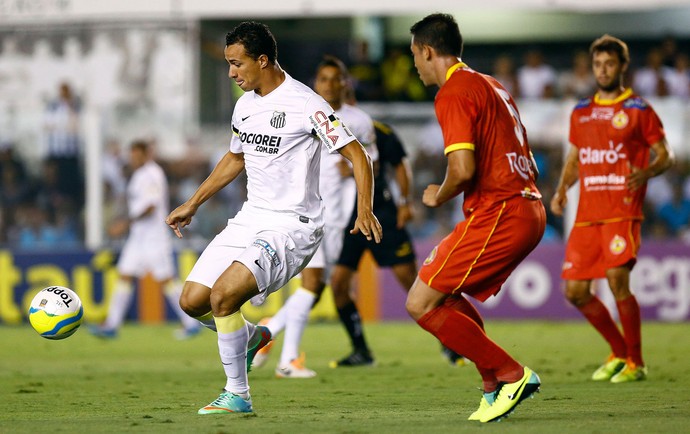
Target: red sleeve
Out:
[652,128]
[456,115]
[573,138]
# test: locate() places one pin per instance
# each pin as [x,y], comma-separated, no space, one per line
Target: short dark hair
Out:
[140,145]
[330,60]
[256,38]
[439,31]
[610,44]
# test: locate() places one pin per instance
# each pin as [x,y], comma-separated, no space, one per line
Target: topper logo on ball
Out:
[61,292]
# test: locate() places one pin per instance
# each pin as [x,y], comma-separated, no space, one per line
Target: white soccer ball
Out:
[56,312]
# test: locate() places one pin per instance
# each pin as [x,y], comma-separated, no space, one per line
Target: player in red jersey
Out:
[490,161]
[611,136]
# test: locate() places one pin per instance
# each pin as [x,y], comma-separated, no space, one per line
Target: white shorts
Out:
[275,247]
[139,258]
[329,251]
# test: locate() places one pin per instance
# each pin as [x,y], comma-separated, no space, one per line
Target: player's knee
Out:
[226,301]
[417,308]
[619,281]
[621,291]
[191,308]
[195,301]
[313,282]
[341,292]
[577,296]
[221,303]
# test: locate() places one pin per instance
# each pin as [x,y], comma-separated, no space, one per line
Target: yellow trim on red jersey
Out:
[438,269]
[453,68]
[635,246]
[457,147]
[611,220]
[626,94]
[493,229]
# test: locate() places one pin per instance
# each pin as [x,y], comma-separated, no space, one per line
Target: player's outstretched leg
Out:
[509,395]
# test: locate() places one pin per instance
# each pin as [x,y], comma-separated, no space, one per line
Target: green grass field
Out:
[145,381]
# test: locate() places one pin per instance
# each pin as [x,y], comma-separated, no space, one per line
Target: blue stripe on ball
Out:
[74,320]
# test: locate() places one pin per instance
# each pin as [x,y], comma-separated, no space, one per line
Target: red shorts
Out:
[593,249]
[481,252]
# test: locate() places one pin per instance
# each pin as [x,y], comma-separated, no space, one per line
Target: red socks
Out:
[461,334]
[630,317]
[599,316]
[462,305]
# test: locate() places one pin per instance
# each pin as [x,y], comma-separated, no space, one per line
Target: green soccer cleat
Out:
[486,401]
[228,402]
[611,367]
[631,372]
[509,395]
[263,339]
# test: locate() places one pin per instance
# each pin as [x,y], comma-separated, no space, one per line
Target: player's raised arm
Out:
[225,172]
[362,167]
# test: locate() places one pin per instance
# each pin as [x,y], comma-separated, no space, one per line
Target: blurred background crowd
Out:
[167,83]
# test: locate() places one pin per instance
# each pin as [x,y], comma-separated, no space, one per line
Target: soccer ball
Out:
[56,312]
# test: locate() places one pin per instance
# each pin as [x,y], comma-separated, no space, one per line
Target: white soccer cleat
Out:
[295,369]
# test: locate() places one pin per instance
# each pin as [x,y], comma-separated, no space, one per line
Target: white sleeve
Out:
[368,140]
[322,121]
[148,192]
[235,142]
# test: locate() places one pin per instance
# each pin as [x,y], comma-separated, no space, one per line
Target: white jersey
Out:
[339,193]
[148,248]
[279,135]
[148,187]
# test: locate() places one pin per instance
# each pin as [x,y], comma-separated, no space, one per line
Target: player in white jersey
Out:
[148,248]
[338,193]
[279,126]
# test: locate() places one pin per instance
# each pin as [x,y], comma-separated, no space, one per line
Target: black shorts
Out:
[395,247]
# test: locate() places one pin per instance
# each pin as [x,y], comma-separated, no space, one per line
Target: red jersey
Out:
[477,113]
[611,136]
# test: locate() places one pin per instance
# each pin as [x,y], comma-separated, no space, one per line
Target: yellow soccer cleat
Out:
[631,372]
[611,367]
[509,395]
[484,403]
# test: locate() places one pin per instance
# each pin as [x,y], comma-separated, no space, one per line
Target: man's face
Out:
[137,158]
[421,62]
[330,84]
[607,69]
[244,70]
